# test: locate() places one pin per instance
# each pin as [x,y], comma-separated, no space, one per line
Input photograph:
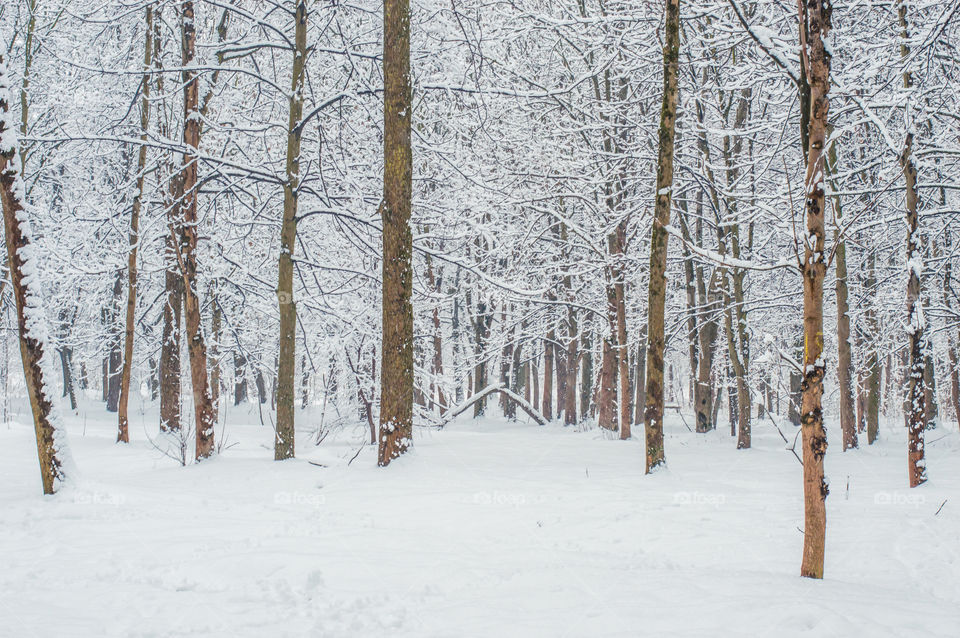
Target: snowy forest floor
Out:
[489,528]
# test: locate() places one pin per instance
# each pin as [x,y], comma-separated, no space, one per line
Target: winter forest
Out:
[464,318]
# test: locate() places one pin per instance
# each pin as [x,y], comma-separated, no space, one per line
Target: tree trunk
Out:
[170,368]
[283,447]
[844,351]
[123,429]
[916,322]
[240,391]
[437,365]
[115,354]
[66,355]
[396,376]
[657,292]
[607,392]
[216,369]
[704,391]
[586,376]
[52,448]
[815,28]
[573,363]
[874,364]
[170,347]
[548,349]
[187,256]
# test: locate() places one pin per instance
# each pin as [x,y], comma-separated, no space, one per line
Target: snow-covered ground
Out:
[489,528]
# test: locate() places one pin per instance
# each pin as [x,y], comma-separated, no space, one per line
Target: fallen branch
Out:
[519,400]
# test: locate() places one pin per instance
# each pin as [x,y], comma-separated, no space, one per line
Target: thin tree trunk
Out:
[548,350]
[573,364]
[437,365]
[623,359]
[815,28]
[874,364]
[396,376]
[844,351]
[115,354]
[123,429]
[586,375]
[607,390]
[657,293]
[216,371]
[283,447]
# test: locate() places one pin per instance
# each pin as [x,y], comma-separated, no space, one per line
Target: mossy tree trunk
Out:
[657,291]
[396,376]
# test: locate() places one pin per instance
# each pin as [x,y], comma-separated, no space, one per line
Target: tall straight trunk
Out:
[396,377]
[535,382]
[115,353]
[187,255]
[690,287]
[703,396]
[874,364]
[738,340]
[657,292]
[123,429]
[573,364]
[916,322]
[815,29]
[216,368]
[170,365]
[607,391]
[955,380]
[548,351]
[283,447]
[844,351]
[931,414]
[481,332]
[170,346]
[437,364]
[560,367]
[623,358]
[52,449]
[586,375]
[952,342]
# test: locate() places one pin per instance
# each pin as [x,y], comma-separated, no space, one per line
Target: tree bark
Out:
[52,449]
[115,353]
[916,322]
[844,351]
[187,256]
[123,422]
[815,28]
[283,447]
[396,376]
[657,292]
[548,348]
